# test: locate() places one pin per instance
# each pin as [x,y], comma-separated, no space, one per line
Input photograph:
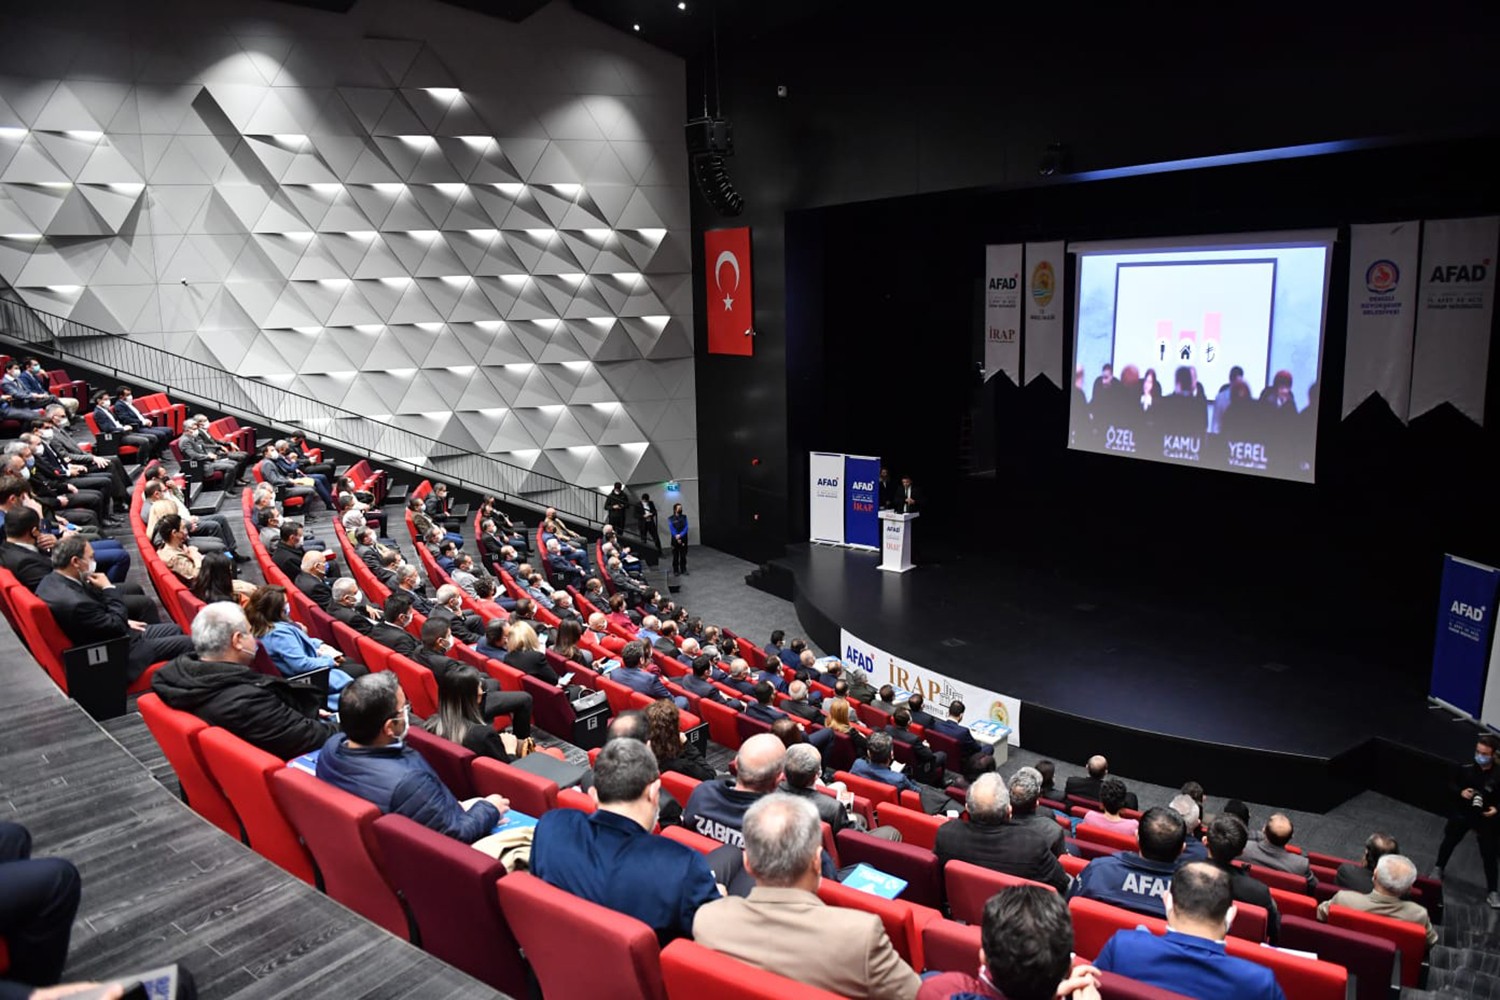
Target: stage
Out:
[1169,690]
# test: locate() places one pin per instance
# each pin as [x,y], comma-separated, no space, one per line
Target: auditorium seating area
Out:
[463,908]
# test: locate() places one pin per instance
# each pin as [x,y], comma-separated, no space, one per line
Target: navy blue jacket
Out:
[640,680]
[716,809]
[1189,965]
[967,744]
[398,780]
[608,859]
[1128,880]
[765,713]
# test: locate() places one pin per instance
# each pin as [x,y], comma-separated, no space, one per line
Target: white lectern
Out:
[895,541]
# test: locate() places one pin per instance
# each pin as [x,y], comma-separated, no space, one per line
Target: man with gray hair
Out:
[1025,789]
[717,808]
[989,839]
[1187,807]
[449,607]
[211,457]
[215,683]
[876,764]
[609,857]
[348,605]
[783,927]
[1394,877]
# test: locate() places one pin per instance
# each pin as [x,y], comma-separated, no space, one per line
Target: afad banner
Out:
[1450,359]
[1382,312]
[825,492]
[1461,650]
[935,688]
[1002,311]
[1044,318]
[861,506]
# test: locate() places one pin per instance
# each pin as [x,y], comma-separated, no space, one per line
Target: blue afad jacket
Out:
[1127,880]
[397,780]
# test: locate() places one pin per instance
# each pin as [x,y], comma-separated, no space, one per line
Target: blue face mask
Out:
[1482,760]
[30,462]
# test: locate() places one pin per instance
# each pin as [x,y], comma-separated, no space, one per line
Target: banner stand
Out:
[1461,655]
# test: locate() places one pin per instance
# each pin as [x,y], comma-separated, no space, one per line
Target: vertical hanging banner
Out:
[731,315]
[825,491]
[1002,311]
[1454,308]
[1044,319]
[861,520]
[1461,650]
[1382,313]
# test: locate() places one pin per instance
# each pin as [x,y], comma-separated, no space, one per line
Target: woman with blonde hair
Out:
[527,655]
[839,721]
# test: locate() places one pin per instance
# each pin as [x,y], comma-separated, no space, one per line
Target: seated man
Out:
[372,760]
[1138,881]
[762,708]
[876,764]
[1190,958]
[409,582]
[929,764]
[215,461]
[1087,787]
[1112,796]
[127,413]
[1186,807]
[1025,953]
[146,445]
[496,641]
[463,574]
[23,553]
[609,857]
[797,703]
[785,928]
[716,809]
[87,609]
[915,705]
[1361,877]
[633,675]
[699,684]
[291,487]
[976,757]
[348,605]
[215,683]
[285,460]
[1394,876]
[1226,839]
[1025,789]
[562,568]
[37,907]
[990,839]
[312,580]
[449,608]
[885,700]
[1270,850]
[433,654]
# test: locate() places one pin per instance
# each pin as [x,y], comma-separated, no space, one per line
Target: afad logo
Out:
[999,713]
[828,482]
[1043,284]
[1382,277]
[1461,273]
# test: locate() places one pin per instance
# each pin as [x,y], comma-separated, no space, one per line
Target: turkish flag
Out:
[731,313]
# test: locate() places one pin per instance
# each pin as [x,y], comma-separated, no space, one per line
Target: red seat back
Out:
[691,970]
[175,733]
[451,761]
[917,865]
[244,773]
[450,888]
[338,829]
[572,798]
[970,887]
[1410,939]
[1371,959]
[950,946]
[528,793]
[41,634]
[1294,904]
[1249,922]
[578,949]
[1278,879]
[723,728]
[1117,839]
[903,921]
[419,683]
[550,707]
[916,827]
[876,791]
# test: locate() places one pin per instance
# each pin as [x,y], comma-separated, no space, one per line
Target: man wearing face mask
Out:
[63,442]
[87,505]
[1475,788]
[25,554]
[215,683]
[348,606]
[449,609]
[370,759]
[51,465]
[88,610]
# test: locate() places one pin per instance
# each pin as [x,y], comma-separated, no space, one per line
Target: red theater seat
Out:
[970,887]
[1410,939]
[693,971]
[1372,960]
[580,950]
[917,865]
[176,733]
[528,793]
[950,946]
[916,827]
[903,921]
[451,761]
[244,773]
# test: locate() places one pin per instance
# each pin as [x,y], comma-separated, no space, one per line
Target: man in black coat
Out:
[449,609]
[1361,877]
[989,839]
[21,554]
[311,579]
[88,610]
[390,631]
[215,683]
[288,554]
[699,684]
[1475,796]
[432,653]
[349,607]
[616,506]
[798,705]
[1087,787]
[929,764]
[1226,839]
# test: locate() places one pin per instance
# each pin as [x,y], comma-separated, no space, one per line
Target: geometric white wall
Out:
[472,229]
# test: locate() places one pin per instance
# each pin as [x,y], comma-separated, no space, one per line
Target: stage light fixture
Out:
[710,140]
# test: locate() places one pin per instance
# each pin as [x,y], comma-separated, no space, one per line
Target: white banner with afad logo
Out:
[936,689]
[825,492]
[1454,307]
[1382,312]
[1002,311]
[1044,318]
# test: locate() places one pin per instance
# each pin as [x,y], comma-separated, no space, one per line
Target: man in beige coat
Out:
[1394,875]
[785,928]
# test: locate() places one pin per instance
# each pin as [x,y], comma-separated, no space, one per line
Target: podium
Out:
[895,541]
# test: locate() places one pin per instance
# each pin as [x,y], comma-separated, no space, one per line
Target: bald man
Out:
[1270,850]
[716,809]
[1087,787]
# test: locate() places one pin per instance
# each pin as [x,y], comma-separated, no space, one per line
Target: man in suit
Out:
[147,445]
[929,764]
[1270,850]
[908,500]
[198,446]
[1226,841]
[885,700]
[616,506]
[1190,958]
[1025,789]
[646,516]
[876,764]
[463,574]
[33,381]
[797,704]
[90,506]
[975,758]
[449,609]
[762,708]
[348,606]
[916,705]
[409,582]
[127,413]
[390,631]
[88,610]
[1087,787]
[390,569]
[1394,876]
[66,446]
[312,580]
[634,676]
[54,466]
[288,462]
[785,928]
[19,393]
[22,554]
[990,839]
[289,486]
[739,678]
[1361,877]
[289,552]
[699,684]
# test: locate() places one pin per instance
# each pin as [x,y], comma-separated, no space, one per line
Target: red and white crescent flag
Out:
[731,314]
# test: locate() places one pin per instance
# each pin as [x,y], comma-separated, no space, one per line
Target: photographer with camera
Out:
[1476,786]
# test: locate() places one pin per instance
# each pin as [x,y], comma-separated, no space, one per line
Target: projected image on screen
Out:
[1202,355]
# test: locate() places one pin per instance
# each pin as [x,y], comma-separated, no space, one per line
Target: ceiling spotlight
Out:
[682,6]
[637,27]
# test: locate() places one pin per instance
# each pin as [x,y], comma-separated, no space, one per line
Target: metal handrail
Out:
[260,402]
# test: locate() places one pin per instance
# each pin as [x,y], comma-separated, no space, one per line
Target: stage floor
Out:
[1173,669]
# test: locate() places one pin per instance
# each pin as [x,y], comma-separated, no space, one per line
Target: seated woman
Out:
[459,717]
[1112,796]
[526,653]
[569,634]
[171,541]
[290,648]
[839,722]
[216,581]
[667,742]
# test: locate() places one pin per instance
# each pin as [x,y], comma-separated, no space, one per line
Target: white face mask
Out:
[46,434]
[89,567]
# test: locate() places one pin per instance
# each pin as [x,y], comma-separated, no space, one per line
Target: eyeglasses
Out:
[404,714]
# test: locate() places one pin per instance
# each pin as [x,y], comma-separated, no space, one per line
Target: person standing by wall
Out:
[677,524]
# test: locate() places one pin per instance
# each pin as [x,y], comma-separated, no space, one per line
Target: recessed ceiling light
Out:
[637,27]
